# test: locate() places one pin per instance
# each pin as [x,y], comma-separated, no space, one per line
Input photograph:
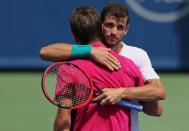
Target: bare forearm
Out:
[140,94]
[153,90]
[56,52]
[62,120]
[62,52]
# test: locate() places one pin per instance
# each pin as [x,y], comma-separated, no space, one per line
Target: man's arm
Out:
[149,95]
[56,52]
[62,52]
[63,120]
[63,117]
[153,90]
[152,105]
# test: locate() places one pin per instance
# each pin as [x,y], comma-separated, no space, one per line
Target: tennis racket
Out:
[66,85]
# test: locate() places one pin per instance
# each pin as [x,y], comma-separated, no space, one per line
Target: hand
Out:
[103,56]
[66,102]
[110,96]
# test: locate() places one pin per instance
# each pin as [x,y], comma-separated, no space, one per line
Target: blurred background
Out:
[158,26]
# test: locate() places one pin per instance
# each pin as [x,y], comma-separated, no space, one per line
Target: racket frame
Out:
[45,92]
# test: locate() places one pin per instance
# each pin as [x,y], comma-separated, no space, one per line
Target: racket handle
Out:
[130,105]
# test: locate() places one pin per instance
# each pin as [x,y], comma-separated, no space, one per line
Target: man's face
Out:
[113,30]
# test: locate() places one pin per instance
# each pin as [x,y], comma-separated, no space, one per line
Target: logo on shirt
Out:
[160,10]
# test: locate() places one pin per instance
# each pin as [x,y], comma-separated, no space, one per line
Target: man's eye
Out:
[109,25]
[121,27]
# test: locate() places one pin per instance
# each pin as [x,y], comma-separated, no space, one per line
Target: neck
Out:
[95,40]
[98,42]
[117,48]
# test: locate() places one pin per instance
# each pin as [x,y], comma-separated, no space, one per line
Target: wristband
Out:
[81,51]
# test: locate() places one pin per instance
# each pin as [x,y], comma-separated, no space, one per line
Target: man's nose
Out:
[114,31]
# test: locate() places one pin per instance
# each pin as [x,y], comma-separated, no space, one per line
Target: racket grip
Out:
[130,105]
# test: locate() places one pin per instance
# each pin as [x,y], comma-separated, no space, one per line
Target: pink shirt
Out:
[113,117]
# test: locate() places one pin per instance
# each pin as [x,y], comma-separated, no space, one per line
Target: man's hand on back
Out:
[110,96]
[103,56]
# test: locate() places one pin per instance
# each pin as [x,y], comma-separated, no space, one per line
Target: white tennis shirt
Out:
[141,59]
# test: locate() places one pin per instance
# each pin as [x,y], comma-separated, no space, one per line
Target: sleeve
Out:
[146,68]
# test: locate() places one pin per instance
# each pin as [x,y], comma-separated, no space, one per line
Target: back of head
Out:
[115,9]
[85,24]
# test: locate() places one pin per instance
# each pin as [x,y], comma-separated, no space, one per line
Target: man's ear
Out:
[126,30]
[102,27]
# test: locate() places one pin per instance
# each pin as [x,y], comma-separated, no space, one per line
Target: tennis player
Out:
[106,117]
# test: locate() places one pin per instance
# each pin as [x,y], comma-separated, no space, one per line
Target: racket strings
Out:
[71,87]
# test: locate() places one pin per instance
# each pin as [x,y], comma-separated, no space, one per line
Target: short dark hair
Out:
[85,24]
[115,9]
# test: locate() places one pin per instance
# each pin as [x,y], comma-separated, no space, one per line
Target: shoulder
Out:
[128,64]
[141,59]
[132,49]
[136,54]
